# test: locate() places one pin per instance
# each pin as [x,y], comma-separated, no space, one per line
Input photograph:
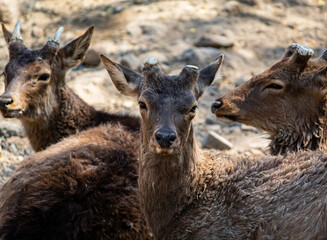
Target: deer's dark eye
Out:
[44,77]
[193,109]
[142,105]
[274,86]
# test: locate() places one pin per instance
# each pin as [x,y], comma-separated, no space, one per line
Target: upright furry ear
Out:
[324,56]
[7,35]
[209,74]
[73,53]
[126,81]
[321,81]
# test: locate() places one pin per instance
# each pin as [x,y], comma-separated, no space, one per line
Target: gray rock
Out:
[215,128]
[200,56]
[249,2]
[7,171]
[215,41]
[91,59]
[27,151]
[117,9]
[211,120]
[130,60]
[13,148]
[146,28]
[140,1]
[9,129]
[213,140]
[232,7]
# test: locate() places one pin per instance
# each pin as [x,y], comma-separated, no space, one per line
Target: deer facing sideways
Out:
[36,92]
[189,194]
[287,100]
[83,187]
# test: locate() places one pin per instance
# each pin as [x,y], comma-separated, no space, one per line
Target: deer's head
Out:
[167,103]
[289,95]
[32,77]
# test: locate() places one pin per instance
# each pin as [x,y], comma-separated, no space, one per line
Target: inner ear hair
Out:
[209,74]
[73,53]
[125,80]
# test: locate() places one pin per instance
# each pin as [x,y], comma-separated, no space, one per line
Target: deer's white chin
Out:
[164,150]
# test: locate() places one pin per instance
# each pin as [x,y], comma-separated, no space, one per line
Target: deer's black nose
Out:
[165,138]
[216,105]
[5,100]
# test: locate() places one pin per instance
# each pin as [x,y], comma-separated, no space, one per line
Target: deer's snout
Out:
[216,105]
[5,100]
[165,138]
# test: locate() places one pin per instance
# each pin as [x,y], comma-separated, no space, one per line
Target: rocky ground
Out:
[252,34]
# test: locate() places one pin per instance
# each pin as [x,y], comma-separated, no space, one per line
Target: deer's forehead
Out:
[283,74]
[27,66]
[25,58]
[171,84]
[163,96]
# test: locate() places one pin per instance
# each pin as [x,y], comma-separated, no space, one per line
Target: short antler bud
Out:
[16,35]
[189,75]
[56,39]
[299,54]
[302,50]
[192,66]
[150,61]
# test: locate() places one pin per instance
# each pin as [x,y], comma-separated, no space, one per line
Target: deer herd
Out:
[99,175]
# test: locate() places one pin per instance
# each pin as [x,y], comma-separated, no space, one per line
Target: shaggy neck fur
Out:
[59,118]
[67,114]
[209,195]
[166,185]
[310,135]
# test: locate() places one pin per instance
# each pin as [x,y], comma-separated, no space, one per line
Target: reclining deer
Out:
[288,101]
[189,194]
[83,187]
[36,92]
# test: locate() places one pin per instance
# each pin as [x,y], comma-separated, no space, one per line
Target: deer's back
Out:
[84,187]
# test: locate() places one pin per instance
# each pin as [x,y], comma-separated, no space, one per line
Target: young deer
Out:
[288,101]
[82,188]
[189,194]
[36,92]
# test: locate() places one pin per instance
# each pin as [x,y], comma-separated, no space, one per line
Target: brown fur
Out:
[84,187]
[295,115]
[188,194]
[48,109]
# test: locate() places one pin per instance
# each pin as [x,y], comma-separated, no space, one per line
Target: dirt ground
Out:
[252,34]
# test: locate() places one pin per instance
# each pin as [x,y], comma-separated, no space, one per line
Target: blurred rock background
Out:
[252,34]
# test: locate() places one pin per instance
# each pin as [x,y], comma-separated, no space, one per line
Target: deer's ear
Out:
[6,33]
[126,81]
[324,56]
[73,53]
[208,75]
